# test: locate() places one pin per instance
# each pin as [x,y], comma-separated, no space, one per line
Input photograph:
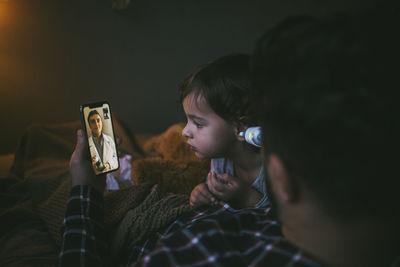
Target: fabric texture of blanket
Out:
[34,195]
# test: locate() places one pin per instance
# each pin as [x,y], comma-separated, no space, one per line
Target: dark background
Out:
[56,55]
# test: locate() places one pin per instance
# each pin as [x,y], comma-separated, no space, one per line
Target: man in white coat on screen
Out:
[102,147]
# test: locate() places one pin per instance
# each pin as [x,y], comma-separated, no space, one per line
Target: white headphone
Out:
[252,135]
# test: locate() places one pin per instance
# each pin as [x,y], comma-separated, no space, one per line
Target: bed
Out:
[35,184]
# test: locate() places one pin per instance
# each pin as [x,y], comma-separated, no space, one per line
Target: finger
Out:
[221,179]
[211,182]
[225,176]
[227,179]
[202,199]
[213,186]
[219,184]
[81,144]
[193,197]
[208,177]
[198,199]
[205,193]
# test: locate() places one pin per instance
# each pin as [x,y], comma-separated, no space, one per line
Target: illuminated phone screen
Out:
[101,139]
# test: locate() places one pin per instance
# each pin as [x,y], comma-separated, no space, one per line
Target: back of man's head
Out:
[327,97]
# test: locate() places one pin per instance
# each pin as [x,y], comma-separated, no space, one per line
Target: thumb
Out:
[81,143]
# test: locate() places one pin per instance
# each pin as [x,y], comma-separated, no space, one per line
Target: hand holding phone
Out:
[81,172]
[98,125]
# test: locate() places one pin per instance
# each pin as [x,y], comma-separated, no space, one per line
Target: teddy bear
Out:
[170,162]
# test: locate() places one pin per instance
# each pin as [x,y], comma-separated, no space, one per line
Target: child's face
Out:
[209,136]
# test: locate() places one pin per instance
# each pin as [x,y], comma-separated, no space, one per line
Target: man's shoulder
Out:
[252,233]
[256,232]
[107,137]
[259,219]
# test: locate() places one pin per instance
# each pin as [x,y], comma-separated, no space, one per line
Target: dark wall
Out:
[56,55]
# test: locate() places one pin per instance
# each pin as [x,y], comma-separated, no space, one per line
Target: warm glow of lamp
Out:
[3,11]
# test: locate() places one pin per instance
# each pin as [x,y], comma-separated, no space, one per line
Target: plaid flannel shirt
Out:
[217,236]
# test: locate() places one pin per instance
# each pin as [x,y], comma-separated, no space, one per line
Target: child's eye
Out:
[198,125]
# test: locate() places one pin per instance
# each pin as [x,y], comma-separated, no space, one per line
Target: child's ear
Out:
[240,126]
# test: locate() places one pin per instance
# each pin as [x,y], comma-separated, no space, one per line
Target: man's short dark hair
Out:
[91,113]
[326,93]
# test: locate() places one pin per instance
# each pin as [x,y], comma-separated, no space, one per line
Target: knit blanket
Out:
[33,199]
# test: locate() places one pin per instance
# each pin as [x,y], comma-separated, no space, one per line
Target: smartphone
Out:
[98,125]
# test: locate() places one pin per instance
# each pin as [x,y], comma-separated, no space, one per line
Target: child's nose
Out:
[185,132]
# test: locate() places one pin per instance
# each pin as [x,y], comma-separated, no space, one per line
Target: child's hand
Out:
[201,196]
[228,188]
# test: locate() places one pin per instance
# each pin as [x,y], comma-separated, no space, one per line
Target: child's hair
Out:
[225,84]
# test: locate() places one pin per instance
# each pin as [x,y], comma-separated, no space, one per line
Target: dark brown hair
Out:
[225,84]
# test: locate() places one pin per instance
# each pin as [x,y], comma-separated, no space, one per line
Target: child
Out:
[215,98]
